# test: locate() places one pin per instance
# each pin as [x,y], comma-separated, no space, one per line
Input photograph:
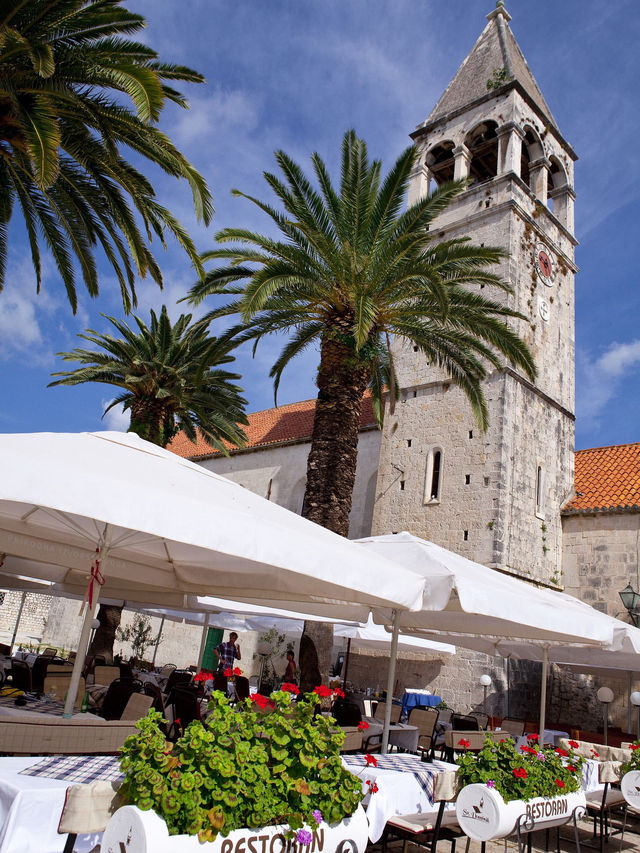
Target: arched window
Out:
[433,477]
[531,150]
[482,142]
[441,163]
[557,179]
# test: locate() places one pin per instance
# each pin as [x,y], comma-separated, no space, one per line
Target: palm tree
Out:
[350,272]
[64,67]
[170,378]
[171,381]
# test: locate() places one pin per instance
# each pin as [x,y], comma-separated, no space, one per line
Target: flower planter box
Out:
[483,814]
[630,786]
[139,831]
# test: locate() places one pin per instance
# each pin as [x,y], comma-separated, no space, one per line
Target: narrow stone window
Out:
[540,491]
[433,479]
[470,433]
[415,349]
[415,393]
[402,485]
[408,442]
[466,536]
[467,479]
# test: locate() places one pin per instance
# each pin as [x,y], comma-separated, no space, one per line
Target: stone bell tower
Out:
[496,496]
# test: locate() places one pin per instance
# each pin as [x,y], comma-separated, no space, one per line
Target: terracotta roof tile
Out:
[285,424]
[607,478]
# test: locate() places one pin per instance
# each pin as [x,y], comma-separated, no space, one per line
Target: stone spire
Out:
[496,59]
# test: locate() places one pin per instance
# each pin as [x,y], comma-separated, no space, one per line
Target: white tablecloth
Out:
[8,713]
[30,808]
[398,793]
[419,690]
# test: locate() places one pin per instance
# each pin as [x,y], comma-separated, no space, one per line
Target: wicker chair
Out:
[21,675]
[425,719]
[353,738]
[396,711]
[87,809]
[137,707]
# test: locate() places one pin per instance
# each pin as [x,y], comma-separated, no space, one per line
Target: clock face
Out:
[544,264]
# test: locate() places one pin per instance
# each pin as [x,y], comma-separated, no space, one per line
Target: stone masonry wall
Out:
[33,621]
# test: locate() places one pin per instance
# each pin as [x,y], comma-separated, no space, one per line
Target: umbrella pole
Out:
[81,655]
[345,667]
[155,651]
[203,641]
[543,693]
[629,689]
[391,681]
[15,630]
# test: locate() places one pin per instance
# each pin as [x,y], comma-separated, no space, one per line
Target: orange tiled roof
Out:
[283,425]
[607,478]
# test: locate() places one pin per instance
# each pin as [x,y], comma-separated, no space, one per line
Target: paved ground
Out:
[630,842]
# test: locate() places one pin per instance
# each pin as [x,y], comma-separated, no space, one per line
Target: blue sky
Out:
[296,75]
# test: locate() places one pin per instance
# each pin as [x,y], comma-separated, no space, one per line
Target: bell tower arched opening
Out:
[482,143]
[441,163]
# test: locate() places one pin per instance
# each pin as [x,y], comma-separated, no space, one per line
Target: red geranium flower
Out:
[562,752]
[373,787]
[203,675]
[371,759]
[559,783]
[533,737]
[520,773]
[634,746]
[571,768]
[339,693]
[322,691]
[363,726]
[260,700]
[594,753]
[291,688]
[574,744]
[465,744]
[237,671]
[228,672]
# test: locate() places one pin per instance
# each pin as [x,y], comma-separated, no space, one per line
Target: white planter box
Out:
[630,785]
[139,831]
[483,814]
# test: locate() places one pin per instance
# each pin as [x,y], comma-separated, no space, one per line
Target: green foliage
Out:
[170,376]
[354,267]
[139,634]
[499,77]
[521,774]
[634,762]
[76,93]
[442,706]
[248,766]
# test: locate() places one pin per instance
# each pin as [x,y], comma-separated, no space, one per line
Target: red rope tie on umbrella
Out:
[96,577]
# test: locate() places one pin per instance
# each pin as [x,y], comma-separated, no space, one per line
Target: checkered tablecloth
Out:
[424,772]
[40,706]
[78,768]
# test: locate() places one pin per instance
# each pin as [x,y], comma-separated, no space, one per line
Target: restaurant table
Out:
[550,736]
[30,808]
[405,786]
[401,735]
[418,699]
[39,709]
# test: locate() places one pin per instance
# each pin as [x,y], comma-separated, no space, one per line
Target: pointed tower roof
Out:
[496,49]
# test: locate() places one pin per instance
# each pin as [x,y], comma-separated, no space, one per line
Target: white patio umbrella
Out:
[110,506]
[466,599]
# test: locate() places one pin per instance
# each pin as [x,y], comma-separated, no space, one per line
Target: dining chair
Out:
[241,688]
[464,722]
[49,652]
[456,741]
[481,717]
[426,720]
[186,709]
[353,739]
[105,675]
[396,711]
[153,690]
[21,675]
[346,713]
[117,696]
[167,669]
[602,803]
[220,682]
[137,706]
[177,677]
[513,727]
[38,672]
[58,684]
[87,809]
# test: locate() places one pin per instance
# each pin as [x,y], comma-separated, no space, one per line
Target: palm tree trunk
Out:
[331,472]
[147,416]
[109,617]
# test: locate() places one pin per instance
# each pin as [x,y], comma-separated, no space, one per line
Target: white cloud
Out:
[604,376]
[214,115]
[115,419]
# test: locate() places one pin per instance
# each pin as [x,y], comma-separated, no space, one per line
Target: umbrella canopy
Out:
[168,524]
[465,598]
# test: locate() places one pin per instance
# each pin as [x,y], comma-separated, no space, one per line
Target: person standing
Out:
[290,672]
[227,653]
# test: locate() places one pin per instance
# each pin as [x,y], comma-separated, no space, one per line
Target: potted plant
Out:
[250,777]
[503,783]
